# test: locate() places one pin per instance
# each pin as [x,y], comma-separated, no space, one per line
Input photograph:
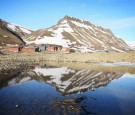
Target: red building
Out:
[14,49]
[28,50]
[65,50]
[54,48]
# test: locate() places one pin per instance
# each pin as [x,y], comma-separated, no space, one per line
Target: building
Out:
[45,47]
[42,47]
[15,48]
[65,50]
[29,49]
[54,48]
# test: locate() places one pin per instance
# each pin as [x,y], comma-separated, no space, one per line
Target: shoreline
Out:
[14,61]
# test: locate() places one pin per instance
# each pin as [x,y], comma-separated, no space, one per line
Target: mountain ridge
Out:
[79,35]
[131,44]
[11,33]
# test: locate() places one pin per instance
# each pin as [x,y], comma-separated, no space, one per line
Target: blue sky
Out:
[117,15]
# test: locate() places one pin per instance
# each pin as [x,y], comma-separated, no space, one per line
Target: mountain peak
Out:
[79,35]
[2,20]
[73,19]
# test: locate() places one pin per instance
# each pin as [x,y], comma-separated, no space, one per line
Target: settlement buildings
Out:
[39,48]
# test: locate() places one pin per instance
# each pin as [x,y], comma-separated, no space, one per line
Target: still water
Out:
[51,90]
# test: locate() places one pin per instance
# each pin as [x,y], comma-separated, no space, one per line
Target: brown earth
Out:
[91,57]
[75,57]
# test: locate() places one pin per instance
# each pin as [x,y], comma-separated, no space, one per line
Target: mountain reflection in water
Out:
[55,90]
[67,81]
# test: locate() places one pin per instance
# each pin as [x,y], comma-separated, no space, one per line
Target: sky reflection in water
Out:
[51,90]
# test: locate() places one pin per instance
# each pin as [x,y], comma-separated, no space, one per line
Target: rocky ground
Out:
[11,61]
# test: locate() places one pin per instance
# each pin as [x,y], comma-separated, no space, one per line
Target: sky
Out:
[117,15]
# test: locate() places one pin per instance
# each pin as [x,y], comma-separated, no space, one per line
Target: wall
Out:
[14,49]
[28,50]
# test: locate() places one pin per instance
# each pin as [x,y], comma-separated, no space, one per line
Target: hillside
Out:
[11,33]
[131,44]
[79,35]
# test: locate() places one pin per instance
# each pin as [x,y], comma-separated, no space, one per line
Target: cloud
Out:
[122,23]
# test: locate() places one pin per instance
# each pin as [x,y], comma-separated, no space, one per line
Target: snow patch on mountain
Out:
[15,27]
[12,27]
[25,30]
[82,25]
[117,49]
[131,44]
[57,40]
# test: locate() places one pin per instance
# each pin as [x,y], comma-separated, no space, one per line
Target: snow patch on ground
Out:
[117,64]
[127,75]
[5,36]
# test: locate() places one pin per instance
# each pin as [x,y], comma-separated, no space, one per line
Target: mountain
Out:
[79,35]
[11,33]
[131,44]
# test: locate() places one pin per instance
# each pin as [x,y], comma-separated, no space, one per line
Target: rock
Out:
[17,106]
[93,89]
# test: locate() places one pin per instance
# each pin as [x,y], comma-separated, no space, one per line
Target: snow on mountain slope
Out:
[18,28]
[11,33]
[79,35]
[131,44]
